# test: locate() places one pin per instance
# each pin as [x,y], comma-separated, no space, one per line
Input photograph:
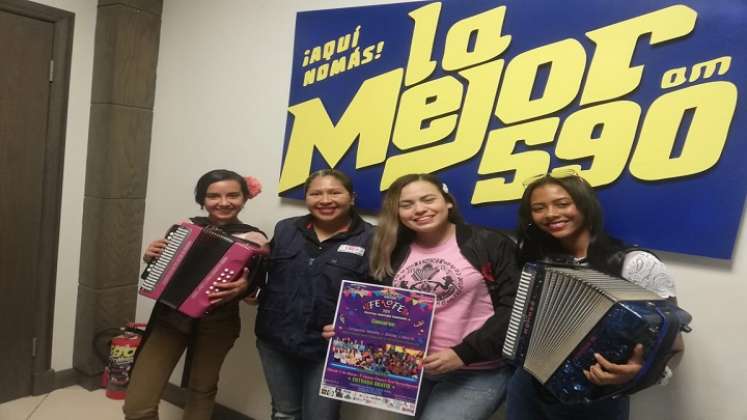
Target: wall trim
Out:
[52,380]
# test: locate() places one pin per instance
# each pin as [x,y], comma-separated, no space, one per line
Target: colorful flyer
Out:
[381,337]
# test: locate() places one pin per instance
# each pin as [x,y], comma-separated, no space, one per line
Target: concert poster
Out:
[381,338]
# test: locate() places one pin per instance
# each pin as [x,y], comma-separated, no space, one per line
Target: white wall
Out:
[709,384]
[73,185]
[221,99]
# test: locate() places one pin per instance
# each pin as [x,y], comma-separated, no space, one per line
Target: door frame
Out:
[43,377]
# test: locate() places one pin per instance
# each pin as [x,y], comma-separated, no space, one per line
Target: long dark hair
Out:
[604,252]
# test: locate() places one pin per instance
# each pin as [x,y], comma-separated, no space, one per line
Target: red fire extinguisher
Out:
[122,350]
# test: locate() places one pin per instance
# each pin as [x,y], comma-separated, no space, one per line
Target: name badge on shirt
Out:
[351,249]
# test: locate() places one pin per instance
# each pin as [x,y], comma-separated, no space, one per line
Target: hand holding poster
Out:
[376,355]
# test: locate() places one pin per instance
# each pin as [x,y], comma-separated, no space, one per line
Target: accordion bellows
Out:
[194,260]
[563,315]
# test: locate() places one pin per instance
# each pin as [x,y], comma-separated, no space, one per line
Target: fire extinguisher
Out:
[120,359]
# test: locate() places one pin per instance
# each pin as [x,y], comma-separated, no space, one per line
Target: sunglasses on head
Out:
[555,173]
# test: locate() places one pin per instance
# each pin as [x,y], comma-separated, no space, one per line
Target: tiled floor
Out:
[74,403]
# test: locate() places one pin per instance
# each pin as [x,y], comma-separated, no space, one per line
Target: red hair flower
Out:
[255,187]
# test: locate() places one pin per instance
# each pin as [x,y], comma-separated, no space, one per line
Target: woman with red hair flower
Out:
[222,194]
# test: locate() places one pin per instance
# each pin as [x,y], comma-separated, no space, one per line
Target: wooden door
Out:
[26,51]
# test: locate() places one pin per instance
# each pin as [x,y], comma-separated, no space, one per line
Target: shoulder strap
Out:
[230,229]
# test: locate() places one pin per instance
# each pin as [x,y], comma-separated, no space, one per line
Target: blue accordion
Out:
[563,315]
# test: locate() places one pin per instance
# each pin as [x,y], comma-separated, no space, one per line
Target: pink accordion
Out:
[194,260]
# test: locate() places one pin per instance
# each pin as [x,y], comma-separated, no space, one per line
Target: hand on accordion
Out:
[605,372]
[231,290]
[154,250]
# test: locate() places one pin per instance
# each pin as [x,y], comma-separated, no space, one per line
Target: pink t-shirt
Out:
[463,303]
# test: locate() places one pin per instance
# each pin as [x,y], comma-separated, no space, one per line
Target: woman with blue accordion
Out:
[560,221]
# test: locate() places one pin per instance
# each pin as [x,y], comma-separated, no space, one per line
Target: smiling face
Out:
[422,208]
[554,211]
[328,200]
[223,201]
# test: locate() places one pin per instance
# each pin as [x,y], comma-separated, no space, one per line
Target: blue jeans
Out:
[462,394]
[294,386]
[527,400]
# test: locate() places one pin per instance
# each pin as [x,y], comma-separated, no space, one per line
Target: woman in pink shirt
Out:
[422,243]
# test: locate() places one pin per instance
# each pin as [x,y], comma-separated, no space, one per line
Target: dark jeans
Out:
[294,386]
[526,401]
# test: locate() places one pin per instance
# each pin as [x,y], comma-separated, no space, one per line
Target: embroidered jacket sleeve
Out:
[645,270]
